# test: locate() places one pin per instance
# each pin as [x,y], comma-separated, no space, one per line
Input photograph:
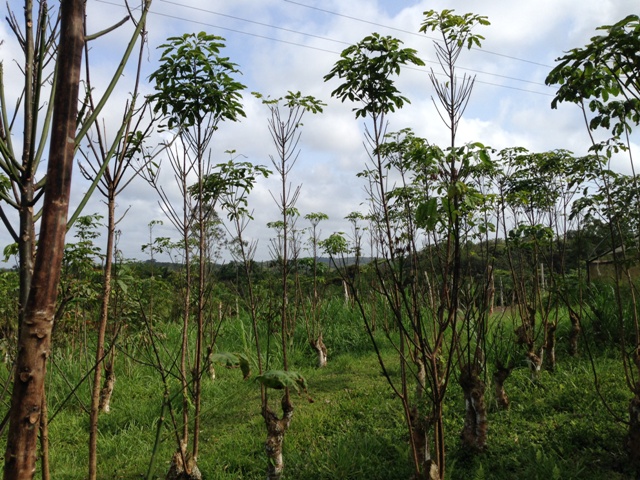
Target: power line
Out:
[347,43]
[319,37]
[242,32]
[412,33]
[287,42]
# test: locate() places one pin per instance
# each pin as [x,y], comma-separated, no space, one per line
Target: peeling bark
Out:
[420,427]
[474,431]
[34,342]
[535,362]
[321,350]
[276,428]
[107,388]
[499,377]
[183,466]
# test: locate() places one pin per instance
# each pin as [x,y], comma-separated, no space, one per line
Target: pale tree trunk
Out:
[34,340]
[183,466]
[102,328]
[109,383]
[276,428]
[321,350]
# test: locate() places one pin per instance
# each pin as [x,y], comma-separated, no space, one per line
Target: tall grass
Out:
[556,426]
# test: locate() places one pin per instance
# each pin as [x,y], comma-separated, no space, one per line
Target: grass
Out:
[557,427]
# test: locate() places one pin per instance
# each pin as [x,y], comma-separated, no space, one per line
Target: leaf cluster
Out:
[194,82]
[455,28]
[366,69]
[604,72]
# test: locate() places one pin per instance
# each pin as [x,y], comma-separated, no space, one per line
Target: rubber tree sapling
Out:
[314,324]
[366,70]
[195,92]
[285,122]
[453,94]
[109,162]
[41,68]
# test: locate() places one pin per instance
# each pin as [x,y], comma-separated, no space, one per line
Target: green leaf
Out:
[427,214]
[281,379]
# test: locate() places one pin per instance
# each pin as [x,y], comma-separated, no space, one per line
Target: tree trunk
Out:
[550,348]
[34,341]
[276,428]
[183,466]
[474,431]
[499,377]
[102,329]
[109,383]
[44,439]
[574,334]
[535,362]
[420,427]
[321,349]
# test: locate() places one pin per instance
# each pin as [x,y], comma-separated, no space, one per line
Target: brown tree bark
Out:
[574,334]
[34,341]
[276,428]
[550,347]
[474,431]
[499,377]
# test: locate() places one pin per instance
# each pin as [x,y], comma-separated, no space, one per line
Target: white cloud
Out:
[331,145]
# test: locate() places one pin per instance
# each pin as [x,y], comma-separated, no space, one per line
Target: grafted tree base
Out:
[474,431]
[276,428]
[183,467]
[321,350]
[535,363]
[107,389]
[574,334]
[499,378]
[420,427]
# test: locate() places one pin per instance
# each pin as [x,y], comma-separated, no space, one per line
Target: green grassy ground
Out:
[557,427]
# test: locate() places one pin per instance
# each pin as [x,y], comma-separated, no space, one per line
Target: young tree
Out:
[109,164]
[313,323]
[41,67]
[604,76]
[195,92]
[366,70]
[34,341]
[453,94]
[284,125]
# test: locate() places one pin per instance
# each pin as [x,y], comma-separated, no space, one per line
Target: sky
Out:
[286,45]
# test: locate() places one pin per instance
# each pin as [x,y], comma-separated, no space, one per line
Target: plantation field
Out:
[556,428]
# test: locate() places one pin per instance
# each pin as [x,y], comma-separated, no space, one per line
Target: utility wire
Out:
[412,33]
[242,32]
[347,43]
[256,23]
